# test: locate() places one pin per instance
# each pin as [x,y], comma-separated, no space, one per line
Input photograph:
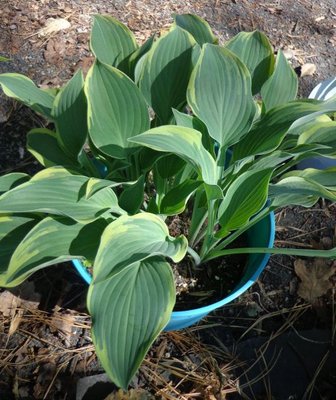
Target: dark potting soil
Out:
[211,281]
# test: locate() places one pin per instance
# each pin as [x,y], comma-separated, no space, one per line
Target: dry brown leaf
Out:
[15,322]
[54,25]
[133,394]
[54,51]
[314,278]
[9,303]
[308,69]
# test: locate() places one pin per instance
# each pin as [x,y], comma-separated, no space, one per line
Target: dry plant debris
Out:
[315,278]
[308,69]
[54,25]
[133,394]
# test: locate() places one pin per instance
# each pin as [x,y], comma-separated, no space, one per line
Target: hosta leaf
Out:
[271,161]
[197,27]
[23,89]
[93,185]
[166,71]
[112,42]
[301,125]
[44,145]
[244,198]
[13,229]
[293,199]
[137,55]
[138,302]
[132,196]
[12,180]
[268,133]
[130,239]
[282,85]
[134,286]
[117,110]
[169,165]
[70,114]
[256,52]
[325,177]
[190,121]
[49,242]
[4,59]
[56,191]
[219,93]
[320,132]
[186,143]
[174,202]
[297,190]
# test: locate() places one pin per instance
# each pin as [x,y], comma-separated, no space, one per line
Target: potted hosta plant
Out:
[178,126]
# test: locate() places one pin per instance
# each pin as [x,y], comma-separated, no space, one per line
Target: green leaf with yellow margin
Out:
[51,241]
[245,197]
[219,93]
[184,142]
[174,202]
[298,190]
[70,114]
[23,89]
[322,132]
[10,181]
[111,95]
[42,194]
[112,42]
[282,86]
[256,52]
[278,121]
[43,144]
[133,285]
[132,196]
[13,228]
[197,27]
[325,177]
[165,72]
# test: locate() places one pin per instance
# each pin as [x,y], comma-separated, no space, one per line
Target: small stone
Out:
[13,27]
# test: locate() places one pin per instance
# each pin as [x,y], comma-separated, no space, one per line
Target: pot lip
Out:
[324,90]
[206,309]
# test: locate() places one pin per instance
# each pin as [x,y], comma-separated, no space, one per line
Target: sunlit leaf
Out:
[219,93]
[117,110]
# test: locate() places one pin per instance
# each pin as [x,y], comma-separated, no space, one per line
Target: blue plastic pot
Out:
[260,235]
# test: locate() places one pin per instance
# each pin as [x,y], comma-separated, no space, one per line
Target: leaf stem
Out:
[265,250]
[207,242]
[194,255]
[221,244]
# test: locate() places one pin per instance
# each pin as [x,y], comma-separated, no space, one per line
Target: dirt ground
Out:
[277,340]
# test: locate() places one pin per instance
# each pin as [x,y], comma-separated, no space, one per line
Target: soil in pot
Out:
[210,282]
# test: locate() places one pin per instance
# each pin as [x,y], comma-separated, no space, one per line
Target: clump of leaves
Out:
[153,131]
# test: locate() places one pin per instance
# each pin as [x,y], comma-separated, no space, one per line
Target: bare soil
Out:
[45,344]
